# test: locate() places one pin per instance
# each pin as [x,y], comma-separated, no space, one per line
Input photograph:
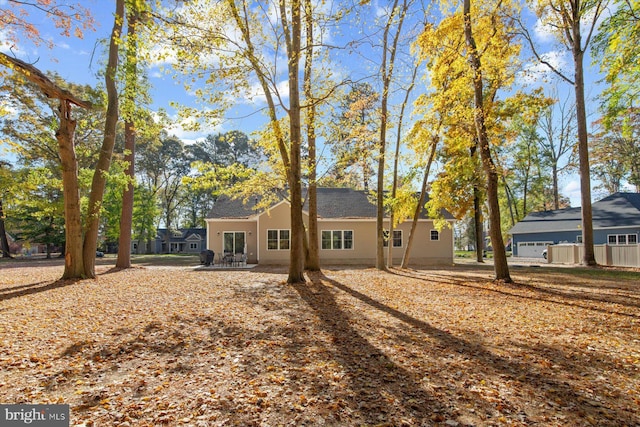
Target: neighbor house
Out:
[346,231]
[181,240]
[616,221]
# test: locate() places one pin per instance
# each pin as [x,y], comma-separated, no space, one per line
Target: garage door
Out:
[532,249]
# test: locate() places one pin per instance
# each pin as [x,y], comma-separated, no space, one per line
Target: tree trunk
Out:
[478,224]
[589,258]
[73,260]
[126,218]
[292,36]
[313,255]
[556,192]
[396,159]
[420,206]
[104,161]
[499,254]
[386,73]
[4,242]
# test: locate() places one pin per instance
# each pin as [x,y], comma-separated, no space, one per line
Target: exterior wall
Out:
[600,236]
[424,250]
[556,238]
[364,242]
[276,218]
[217,228]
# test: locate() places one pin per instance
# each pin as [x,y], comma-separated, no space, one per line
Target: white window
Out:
[397,238]
[435,235]
[278,240]
[337,239]
[622,239]
[193,246]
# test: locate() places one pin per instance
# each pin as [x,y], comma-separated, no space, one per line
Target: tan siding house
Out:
[346,230]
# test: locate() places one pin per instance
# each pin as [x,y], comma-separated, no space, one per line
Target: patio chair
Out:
[228,259]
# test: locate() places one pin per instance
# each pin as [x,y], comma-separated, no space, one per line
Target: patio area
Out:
[211,261]
[228,267]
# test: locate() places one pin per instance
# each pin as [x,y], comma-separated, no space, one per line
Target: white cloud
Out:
[538,72]
[543,31]
[189,130]
[572,190]
[6,45]
[255,95]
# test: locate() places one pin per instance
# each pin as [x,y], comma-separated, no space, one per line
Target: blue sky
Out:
[79,61]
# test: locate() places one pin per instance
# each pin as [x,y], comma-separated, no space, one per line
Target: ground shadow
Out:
[510,369]
[371,373]
[34,288]
[557,293]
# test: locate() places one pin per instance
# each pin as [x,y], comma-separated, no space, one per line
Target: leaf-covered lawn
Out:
[177,346]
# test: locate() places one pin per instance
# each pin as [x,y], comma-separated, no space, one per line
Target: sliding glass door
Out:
[234,242]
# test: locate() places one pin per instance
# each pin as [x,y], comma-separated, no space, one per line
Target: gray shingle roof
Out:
[226,207]
[332,203]
[616,210]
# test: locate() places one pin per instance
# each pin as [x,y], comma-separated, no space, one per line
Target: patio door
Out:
[234,242]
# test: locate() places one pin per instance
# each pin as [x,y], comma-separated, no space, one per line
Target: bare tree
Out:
[558,140]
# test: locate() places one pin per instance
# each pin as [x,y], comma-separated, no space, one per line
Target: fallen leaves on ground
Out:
[182,346]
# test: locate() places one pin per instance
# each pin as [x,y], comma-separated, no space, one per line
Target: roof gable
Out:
[180,234]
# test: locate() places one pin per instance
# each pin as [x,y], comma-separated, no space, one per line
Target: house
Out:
[616,221]
[181,240]
[346,231]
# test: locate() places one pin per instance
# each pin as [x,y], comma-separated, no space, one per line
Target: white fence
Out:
[610,255]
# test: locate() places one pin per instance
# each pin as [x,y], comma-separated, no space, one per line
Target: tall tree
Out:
[312,254]
[460,94]
[396,17]
[499,254]
[566,19]
[135,11]
[74,263]
[396,161]
[91,230]
[432,138]
[291,20]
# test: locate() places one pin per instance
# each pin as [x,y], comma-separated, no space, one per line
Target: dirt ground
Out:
[179,345]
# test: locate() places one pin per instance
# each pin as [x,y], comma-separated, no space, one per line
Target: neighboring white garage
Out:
[532,249]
